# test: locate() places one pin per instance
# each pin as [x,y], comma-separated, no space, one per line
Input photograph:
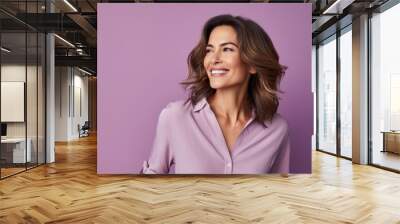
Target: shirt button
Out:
[229,164]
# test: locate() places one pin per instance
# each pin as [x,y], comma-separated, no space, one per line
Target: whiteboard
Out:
[12,101]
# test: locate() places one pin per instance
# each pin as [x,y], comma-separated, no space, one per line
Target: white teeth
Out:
[216,72]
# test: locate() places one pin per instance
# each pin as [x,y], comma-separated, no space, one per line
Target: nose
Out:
[216,58]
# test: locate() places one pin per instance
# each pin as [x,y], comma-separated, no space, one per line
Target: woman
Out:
[229,123]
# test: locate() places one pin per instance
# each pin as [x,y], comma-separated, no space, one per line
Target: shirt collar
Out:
[200,105]
[203,103]
[267,123]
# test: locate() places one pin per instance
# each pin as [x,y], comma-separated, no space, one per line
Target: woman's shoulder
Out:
[278,122]
[177,109]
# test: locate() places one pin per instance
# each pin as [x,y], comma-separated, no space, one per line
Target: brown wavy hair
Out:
[256,49]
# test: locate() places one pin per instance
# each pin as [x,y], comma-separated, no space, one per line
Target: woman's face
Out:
[222,62]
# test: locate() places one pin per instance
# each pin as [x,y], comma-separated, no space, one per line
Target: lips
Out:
[218,72]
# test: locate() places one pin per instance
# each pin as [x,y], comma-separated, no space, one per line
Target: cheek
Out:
[239,65]
[205,62]
[241,71]
[236,61]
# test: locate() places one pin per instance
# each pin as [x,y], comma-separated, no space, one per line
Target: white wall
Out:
[71,93]
[61,103]
[17,73]
[12,73]
[314,91]
[81,103]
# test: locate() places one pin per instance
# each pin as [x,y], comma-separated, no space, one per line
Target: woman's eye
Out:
[208,50]
[228,49]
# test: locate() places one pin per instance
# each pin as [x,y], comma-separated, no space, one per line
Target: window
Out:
[346,93]
[327,96]
[385,88]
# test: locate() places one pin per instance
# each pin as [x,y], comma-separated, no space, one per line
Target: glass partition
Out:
[385,89]
[31,100]
[326,136]
[41,87]
[22,77]
[346,93]
[13,110]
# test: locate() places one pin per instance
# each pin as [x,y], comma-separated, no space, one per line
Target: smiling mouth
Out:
[218,72]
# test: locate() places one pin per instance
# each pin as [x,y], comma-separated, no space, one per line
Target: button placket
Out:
[219,137]
[228,166]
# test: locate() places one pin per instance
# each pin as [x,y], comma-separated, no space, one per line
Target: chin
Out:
[216,85]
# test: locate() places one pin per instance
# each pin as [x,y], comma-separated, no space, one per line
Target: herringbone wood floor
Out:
[70,191]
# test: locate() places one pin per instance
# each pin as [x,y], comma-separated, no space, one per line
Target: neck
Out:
[231,105]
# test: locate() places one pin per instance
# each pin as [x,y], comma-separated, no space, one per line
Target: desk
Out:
[15,148]
[391,141]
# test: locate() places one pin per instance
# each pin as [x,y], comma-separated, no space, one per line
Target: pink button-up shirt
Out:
[191,139]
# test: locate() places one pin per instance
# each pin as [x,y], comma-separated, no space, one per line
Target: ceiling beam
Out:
[86,26]
[84,61]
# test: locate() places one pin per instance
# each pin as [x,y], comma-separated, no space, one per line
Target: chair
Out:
[84,130]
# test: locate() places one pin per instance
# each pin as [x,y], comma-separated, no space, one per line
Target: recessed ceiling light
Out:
[5,50]
[64,40]
[70,5]
[337,7]
[84,71]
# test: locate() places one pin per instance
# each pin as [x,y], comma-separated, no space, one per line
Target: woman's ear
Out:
[252,70]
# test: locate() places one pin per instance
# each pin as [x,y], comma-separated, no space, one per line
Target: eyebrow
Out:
[223,44]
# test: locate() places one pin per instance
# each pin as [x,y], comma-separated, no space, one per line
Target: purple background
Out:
[142,51]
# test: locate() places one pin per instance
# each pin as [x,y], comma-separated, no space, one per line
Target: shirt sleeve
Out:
[160,158]
[282,162]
